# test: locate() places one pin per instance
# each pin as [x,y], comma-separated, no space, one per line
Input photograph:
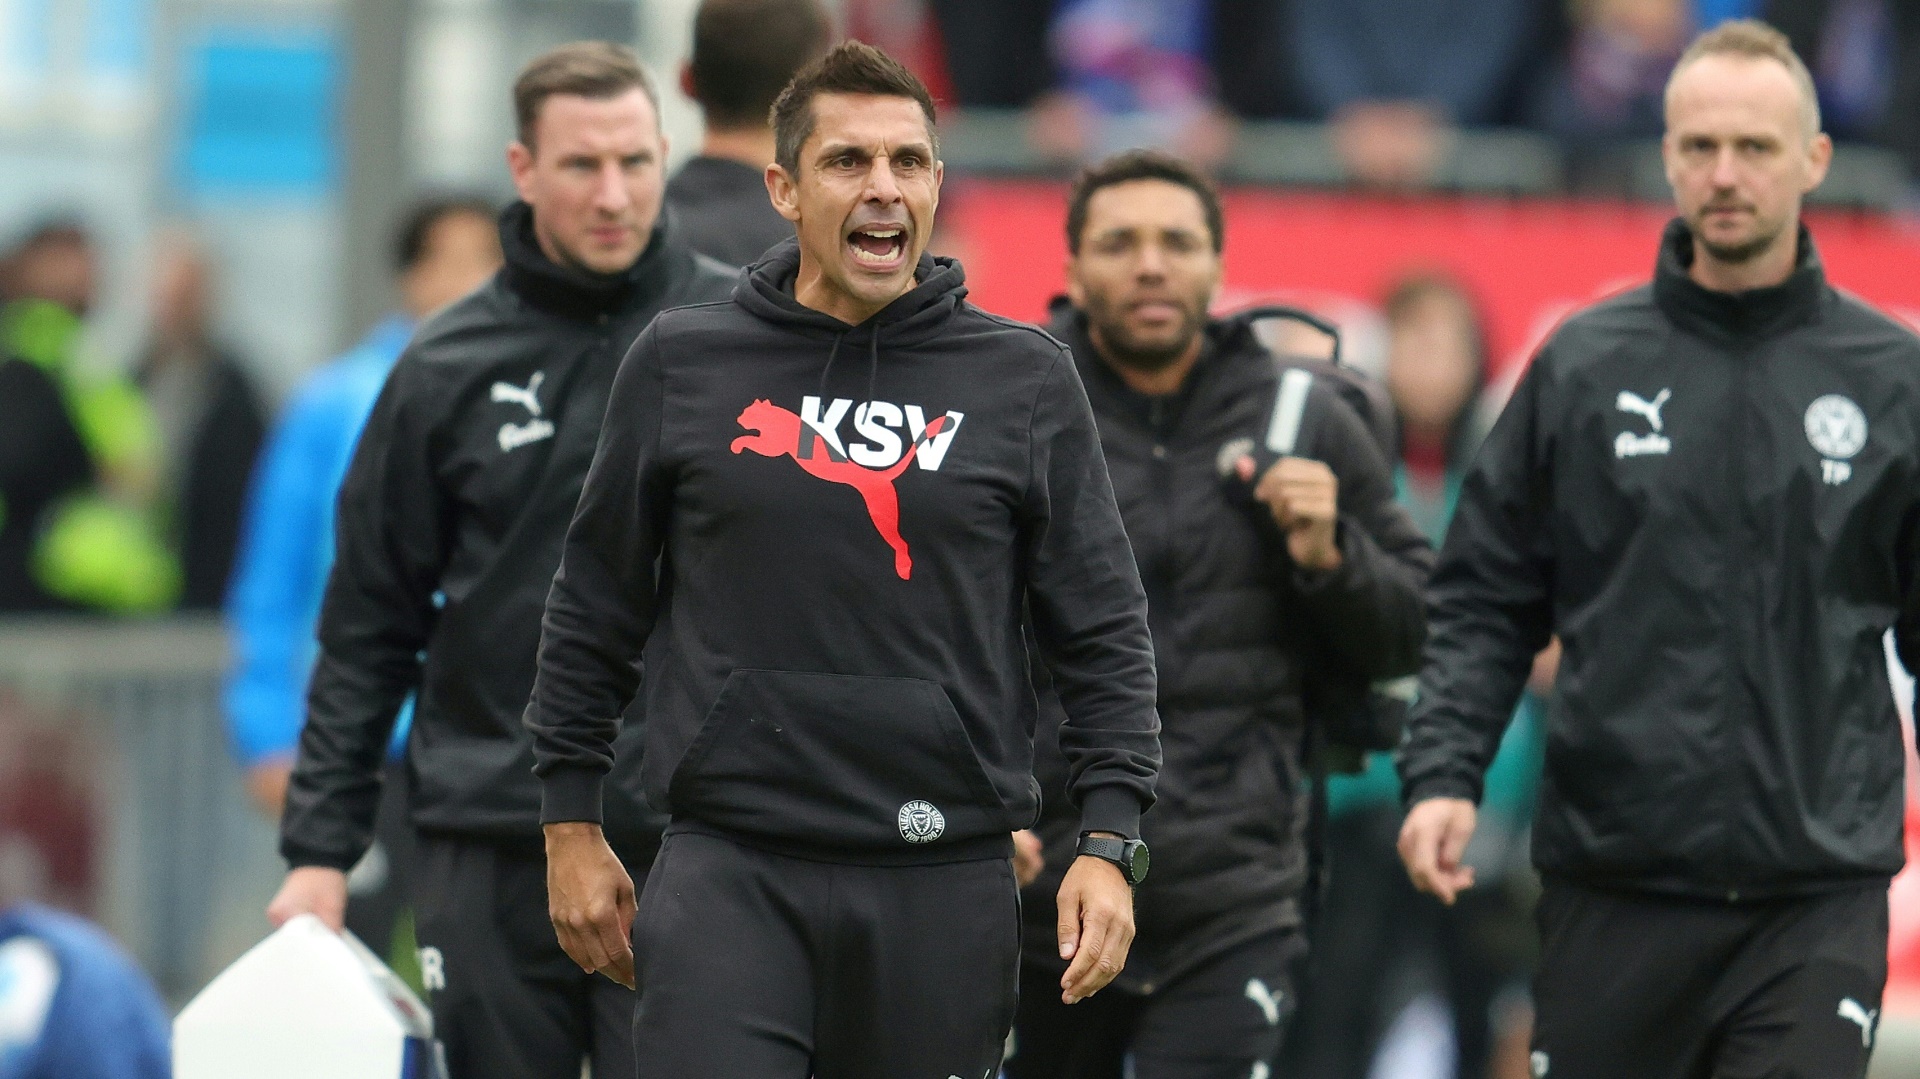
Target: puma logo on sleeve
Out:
[1265,999]
[1853,1012]
[815,447]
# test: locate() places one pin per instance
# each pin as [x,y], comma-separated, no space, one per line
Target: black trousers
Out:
[1658,988]
[1222,1020]
[760,966]
[507,1002]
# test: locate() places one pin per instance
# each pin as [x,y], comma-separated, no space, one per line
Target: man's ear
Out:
[1075,294]
[686,80]
[1820,154]
[783,192]
[520,167]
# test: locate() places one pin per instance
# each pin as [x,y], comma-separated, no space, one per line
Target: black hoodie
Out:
[448,534]
[834,656]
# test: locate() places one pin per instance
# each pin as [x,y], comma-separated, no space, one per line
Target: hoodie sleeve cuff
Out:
[1440,787]
[1111,809]
[570,794]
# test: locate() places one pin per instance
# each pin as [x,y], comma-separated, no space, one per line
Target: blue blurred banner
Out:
[260,114]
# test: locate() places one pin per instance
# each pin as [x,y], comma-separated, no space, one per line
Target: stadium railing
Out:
[993,142]
[182,866]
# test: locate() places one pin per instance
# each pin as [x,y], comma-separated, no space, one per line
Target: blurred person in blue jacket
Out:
[1378,944]
[73,1005]
[445,248]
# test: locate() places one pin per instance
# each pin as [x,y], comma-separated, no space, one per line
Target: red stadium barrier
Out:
[1528,262]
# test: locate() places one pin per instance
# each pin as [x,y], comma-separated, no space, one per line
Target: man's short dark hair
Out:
[746,51]
[852,67]
[591,69]
[418,223]
[1133,165]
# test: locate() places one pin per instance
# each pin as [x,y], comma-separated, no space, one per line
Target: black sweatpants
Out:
[1659,988]
[507,1002]
[761,966]
[1222,1020]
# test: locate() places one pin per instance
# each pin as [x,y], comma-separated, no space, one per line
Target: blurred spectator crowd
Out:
[1394,79]
[119,492]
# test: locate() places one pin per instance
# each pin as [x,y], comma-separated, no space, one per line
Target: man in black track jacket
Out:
[1709,488]
[450,526]
[823,509]
[1242,606]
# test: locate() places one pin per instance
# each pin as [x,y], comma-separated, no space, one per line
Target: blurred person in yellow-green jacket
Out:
[78,449]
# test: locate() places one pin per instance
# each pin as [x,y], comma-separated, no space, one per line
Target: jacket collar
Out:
[578,294]
[1760,312]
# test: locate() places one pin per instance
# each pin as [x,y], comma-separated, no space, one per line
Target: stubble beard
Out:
[1122,349]
[1738,254]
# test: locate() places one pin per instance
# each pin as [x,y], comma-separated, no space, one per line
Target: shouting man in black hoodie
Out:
[449,531]
[825,510]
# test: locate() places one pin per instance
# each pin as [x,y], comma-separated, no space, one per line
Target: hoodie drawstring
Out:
[832,354]
[873,367]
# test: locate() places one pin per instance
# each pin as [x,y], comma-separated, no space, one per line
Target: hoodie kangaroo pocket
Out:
[837,760]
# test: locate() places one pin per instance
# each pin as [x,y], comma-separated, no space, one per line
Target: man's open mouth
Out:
[877,245]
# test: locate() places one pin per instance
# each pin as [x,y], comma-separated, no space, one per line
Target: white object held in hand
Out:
[306,1003]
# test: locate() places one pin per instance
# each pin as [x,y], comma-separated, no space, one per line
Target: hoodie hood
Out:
[940,288]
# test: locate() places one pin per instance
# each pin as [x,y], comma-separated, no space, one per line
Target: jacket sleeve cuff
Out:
[1439,787]
[570,793]
[302,857]
[1111,809]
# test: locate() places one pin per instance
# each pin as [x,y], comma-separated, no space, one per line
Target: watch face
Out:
[1139,862]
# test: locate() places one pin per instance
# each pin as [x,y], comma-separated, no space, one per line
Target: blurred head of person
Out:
[857,170]
[181,301]
[744,53]
[56,262]
[590,157]
[1436,361]
[1743,147]
[1144,239]
[446,247]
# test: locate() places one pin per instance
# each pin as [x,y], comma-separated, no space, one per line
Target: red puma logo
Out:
[777,433]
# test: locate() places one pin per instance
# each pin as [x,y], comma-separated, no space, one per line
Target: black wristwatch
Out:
[1129,854]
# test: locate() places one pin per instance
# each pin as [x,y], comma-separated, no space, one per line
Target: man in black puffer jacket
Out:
[1318,570]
